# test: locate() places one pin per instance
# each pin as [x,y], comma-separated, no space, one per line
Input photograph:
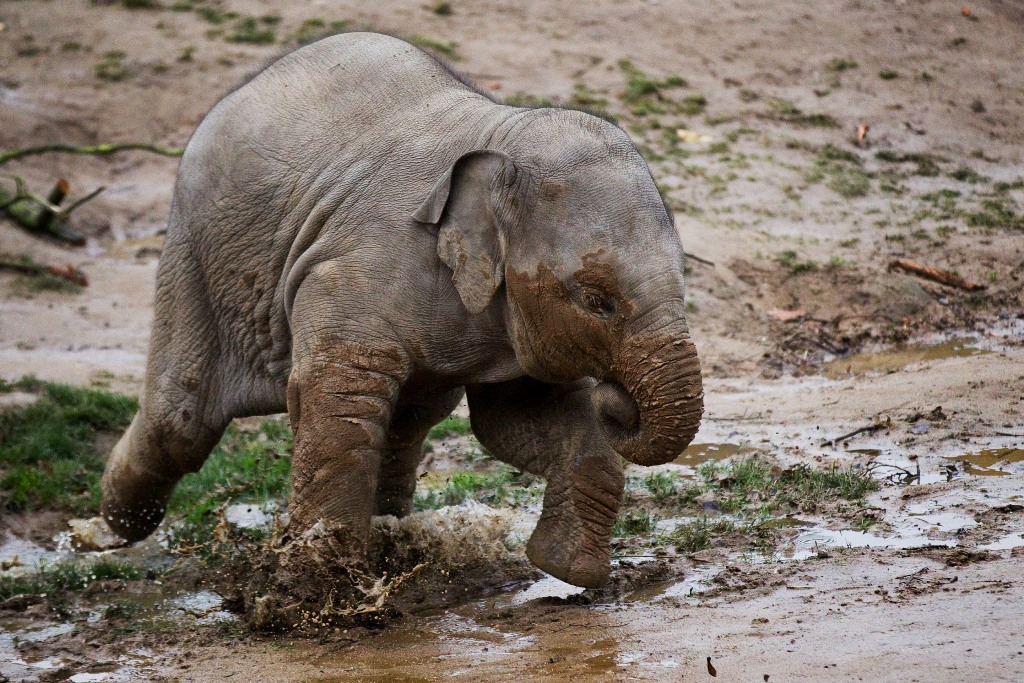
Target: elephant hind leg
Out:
[181,416]
[396,483]
[146,465]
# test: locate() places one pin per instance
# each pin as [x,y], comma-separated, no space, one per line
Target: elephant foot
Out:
[563,551]
[134,501]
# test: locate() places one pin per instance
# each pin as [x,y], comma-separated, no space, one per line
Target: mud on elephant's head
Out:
[572,237]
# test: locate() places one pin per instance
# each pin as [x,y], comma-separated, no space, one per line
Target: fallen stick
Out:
[935,275]
[698,259]
[870,428]
[42,214]
[30,267]
[96,150]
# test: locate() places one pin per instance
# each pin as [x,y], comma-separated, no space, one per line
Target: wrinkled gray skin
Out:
[361,238]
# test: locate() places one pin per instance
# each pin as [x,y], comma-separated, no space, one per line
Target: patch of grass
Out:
[521,99]
[247,466]
[252,31]
[211,14]
[54,580]
[587,100]
[698,535]
[791,261]
[787,111]
[453,425]
[668,488]
[662,485]
[639,85]
[314,29]
[840,64]
[48,453]
[113,67]
[996,213]
[634,522]
[692,105]
[802,488]
[442,8]
[449,50]
[504,486]
[646,95]
[849,182]
[830,153]
[888,75]
[966,174]
[843,170]
[927,164]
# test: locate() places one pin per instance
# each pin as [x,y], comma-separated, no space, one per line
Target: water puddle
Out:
[809,543]
[699,453]
[893,360]
[984,462]
[548,587]
[1007,542]
[697,582]
[19,557]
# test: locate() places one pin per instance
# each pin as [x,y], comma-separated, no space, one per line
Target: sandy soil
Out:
[887,613]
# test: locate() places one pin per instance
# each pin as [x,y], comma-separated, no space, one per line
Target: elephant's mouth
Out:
[617,411]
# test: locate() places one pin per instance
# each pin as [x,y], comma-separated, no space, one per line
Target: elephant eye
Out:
[597,304]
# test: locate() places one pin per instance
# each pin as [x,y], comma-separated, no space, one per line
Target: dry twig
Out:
[30,267]
[935,275]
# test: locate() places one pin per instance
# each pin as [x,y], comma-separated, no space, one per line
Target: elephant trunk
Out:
[651,402]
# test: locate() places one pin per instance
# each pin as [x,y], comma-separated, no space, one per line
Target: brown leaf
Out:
[711,669]
[786,316]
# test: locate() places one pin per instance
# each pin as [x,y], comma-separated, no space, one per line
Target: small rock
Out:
[93,534]
[20,603]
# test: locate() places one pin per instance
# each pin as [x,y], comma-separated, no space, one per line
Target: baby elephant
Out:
[361,238]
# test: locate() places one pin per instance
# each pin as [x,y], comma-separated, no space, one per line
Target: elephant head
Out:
[566,231]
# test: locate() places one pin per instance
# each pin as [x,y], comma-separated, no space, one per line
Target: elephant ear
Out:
[465,205]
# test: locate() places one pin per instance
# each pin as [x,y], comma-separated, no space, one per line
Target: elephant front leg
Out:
[340,400]
[552,431]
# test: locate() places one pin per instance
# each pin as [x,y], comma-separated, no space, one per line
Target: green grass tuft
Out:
[791,261]
[840,64]
[634,522]
[453,425]
[642,91]
[502,487]
[54,580]
[449,50]
[48,453]
[245,467]
[249,30]
[698,535]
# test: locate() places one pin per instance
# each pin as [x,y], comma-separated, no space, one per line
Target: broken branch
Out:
[42,214]
[98,150]
[27,266]
[934,274]
[863,430]
[698,259]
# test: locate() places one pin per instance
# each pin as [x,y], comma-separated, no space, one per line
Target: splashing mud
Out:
[426,560]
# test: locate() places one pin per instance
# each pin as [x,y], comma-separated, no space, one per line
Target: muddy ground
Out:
[805,332]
